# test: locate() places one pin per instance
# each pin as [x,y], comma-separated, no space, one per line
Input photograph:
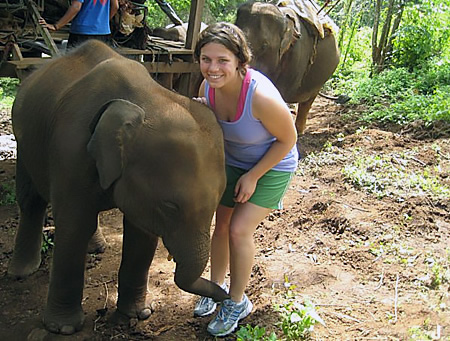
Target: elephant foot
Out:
[22,268]
[66,325]
[120,318]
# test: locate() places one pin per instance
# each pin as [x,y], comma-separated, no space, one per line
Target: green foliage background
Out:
[415,85]
[214,11]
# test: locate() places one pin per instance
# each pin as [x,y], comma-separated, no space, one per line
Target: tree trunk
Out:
[381,47]
[398,18]
[376,21]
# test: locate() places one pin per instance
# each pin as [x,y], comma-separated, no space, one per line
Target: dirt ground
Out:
[366,263]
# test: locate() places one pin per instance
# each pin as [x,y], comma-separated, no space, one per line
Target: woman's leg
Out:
[220,244]
[244,221]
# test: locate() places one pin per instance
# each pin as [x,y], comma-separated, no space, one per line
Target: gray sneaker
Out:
[206,306]
[229,315]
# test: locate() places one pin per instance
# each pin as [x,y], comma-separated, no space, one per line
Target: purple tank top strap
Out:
[243,95]
[212,98]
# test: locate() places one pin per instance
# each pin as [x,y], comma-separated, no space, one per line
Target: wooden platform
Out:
[160,56]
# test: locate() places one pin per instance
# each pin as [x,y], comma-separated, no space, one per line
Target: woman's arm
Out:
[269,107]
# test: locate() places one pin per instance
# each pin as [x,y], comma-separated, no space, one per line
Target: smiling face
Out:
[218,65]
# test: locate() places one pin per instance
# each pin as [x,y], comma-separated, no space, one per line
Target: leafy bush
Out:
[423,33]
[157,18]
[398,95]
[8,89]
[428,108]
[417,85]
[8,86]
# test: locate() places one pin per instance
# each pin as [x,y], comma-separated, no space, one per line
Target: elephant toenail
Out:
[144,314]
[52,327]
[67,330]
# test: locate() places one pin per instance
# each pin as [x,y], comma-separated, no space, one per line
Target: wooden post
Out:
[195,19]
[54,51]
[187,88]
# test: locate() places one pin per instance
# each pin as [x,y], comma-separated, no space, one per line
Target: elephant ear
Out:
[114,125]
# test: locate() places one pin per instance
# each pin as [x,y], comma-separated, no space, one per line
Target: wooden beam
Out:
[175,67]
[54,51]
[28,62]
[195,19]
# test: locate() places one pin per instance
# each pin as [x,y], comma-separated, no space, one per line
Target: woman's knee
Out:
[239,235]
[221,229]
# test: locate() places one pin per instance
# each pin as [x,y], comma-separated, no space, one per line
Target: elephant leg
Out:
[302,115]
[97,243]
[137,255]
[28,243]
[75,224]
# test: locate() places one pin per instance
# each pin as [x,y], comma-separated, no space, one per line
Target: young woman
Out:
[261,156]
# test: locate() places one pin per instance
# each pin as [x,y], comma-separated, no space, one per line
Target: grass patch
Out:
[389,175]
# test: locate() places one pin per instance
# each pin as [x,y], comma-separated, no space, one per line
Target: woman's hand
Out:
[245,187]
[200,100]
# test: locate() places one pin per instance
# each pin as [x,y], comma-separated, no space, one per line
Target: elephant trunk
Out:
[200,286]
[191,259]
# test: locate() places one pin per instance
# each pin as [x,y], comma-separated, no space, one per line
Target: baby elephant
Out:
[94,131]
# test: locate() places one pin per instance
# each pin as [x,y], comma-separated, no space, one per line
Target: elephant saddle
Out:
[307,10]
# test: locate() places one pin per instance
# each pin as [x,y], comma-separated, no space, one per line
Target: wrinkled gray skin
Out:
[95,132]
[284,55]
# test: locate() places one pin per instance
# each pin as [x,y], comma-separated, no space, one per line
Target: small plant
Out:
[436,276]
[423,332]
[254,334]
[47,241]
[439,271]
[7,194]
[361,130]
[327,146]
[298,320]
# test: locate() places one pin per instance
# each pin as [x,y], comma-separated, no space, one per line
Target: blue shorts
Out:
[269,190]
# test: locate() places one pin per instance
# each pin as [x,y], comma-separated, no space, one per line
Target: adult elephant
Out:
[292,48]
[174,32]
[94,132]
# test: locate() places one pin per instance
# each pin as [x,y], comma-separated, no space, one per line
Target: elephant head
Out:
[270,34]
[167,180]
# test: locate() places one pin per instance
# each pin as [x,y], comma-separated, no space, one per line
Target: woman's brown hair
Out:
[228,35]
